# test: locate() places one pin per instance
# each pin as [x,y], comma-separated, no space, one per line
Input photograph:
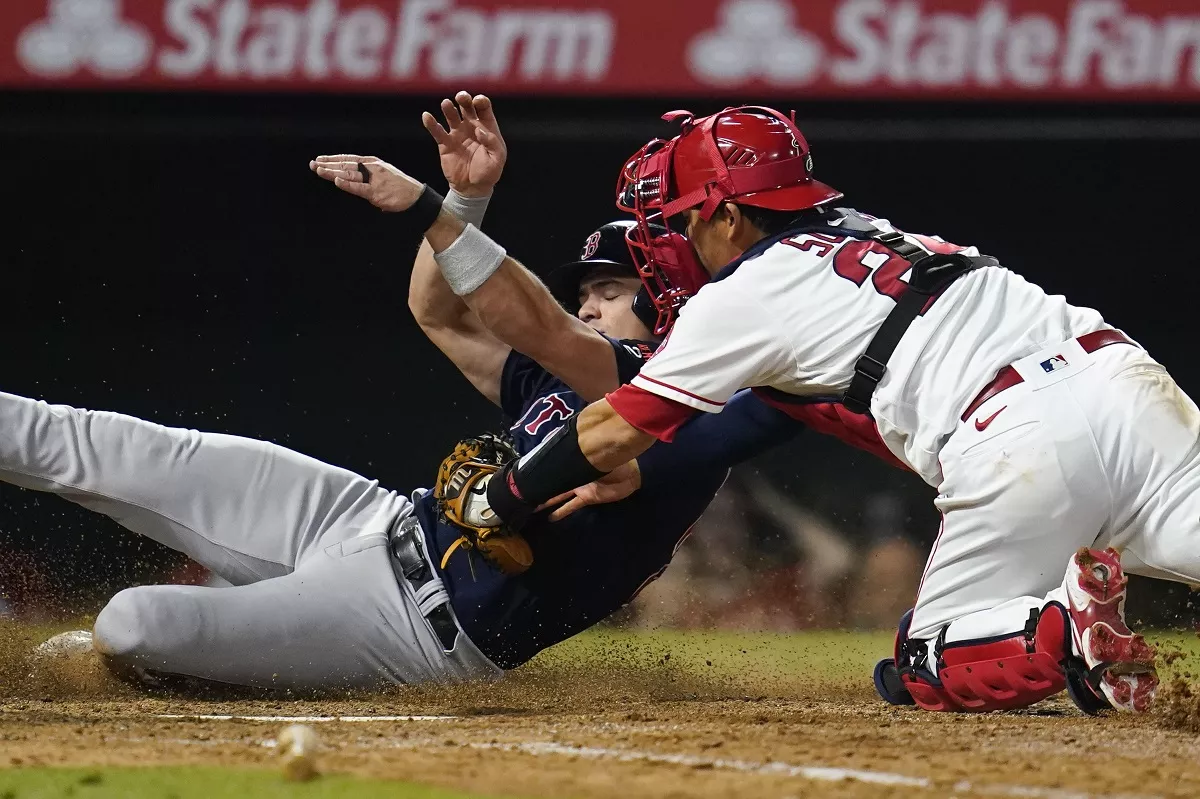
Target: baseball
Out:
[298,746]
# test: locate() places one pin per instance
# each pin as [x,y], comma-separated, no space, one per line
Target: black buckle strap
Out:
[896,242]
[408,553]
[930,274]
[870,368]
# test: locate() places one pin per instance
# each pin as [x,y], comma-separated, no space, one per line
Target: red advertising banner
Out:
[1019,49]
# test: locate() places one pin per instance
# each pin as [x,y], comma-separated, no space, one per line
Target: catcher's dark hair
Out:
[773,223]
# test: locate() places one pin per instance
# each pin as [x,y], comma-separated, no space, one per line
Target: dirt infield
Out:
[619,715]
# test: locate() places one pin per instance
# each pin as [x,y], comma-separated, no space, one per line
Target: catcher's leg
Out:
[1149,438]
[246,509]
[1020,497]
[1076,640]
[342,620]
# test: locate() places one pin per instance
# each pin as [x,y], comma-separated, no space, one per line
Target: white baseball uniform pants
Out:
[1102,451]
[314,602]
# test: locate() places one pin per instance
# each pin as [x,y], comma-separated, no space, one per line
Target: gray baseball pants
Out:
[314,602]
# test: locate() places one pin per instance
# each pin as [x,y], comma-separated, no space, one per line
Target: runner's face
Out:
[606,304]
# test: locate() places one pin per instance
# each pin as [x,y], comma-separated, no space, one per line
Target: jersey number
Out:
[848,262]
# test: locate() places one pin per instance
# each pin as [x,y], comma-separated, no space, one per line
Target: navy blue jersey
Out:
[595,561]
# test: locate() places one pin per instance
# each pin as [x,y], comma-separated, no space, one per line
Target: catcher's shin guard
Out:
[998,673]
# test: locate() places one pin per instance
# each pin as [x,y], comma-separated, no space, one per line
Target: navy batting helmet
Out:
[606,247]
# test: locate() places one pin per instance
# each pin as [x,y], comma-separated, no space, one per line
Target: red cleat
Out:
[1120,664]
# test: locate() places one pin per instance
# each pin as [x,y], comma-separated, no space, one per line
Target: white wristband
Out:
[469,261]
[468,209]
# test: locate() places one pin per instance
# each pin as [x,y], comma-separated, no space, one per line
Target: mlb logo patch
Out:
[1054,364]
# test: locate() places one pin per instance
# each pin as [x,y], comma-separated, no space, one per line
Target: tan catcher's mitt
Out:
[461,493]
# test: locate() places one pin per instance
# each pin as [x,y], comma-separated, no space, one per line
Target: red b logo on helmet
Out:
[590,246]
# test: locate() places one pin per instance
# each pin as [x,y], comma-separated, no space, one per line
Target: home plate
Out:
[300,719]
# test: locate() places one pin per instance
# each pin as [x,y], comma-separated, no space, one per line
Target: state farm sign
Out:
[1120,49]
[446,42]
[988,45]
[229,40]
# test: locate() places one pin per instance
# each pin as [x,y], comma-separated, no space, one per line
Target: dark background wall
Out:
[173,258]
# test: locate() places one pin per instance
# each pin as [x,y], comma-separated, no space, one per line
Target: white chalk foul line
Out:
[775,768]
[300,719]
[825,773]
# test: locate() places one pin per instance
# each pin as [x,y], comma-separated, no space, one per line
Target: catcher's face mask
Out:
[664,259]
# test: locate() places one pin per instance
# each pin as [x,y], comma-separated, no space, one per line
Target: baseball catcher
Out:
[1064,455]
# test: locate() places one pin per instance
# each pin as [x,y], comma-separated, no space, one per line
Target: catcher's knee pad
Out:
[997,673]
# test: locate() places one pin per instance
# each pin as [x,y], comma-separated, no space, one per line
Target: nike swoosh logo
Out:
[981,426]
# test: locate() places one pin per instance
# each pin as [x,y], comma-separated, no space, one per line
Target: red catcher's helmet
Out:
[750,155]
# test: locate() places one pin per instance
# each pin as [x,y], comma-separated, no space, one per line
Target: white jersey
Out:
[799,315]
